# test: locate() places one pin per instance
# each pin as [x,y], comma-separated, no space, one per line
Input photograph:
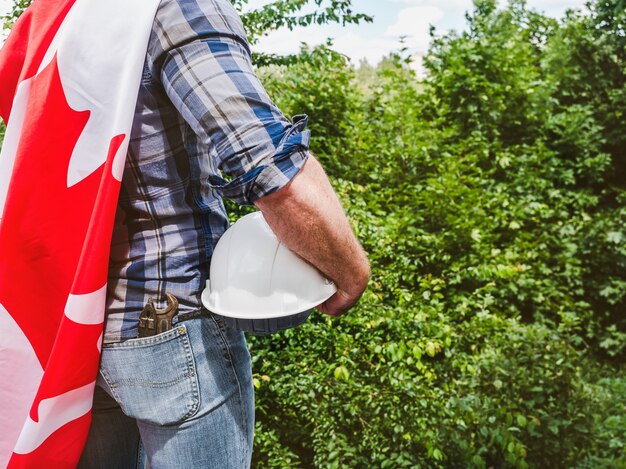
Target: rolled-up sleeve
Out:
[254,148]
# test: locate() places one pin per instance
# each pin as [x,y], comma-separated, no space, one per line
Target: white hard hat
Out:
[259,285]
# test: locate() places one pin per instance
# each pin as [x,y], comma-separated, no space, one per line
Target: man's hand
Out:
[338,304]
[307,217]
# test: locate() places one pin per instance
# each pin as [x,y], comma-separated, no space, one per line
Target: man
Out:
[187,393]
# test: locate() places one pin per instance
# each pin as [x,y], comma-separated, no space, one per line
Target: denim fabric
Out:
[186,393]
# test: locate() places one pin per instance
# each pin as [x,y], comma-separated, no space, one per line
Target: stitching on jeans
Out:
[147,341]
[158,340]
[244,439]
[107,380]
[140,455]
[195,387]
[190,364]
[153,384]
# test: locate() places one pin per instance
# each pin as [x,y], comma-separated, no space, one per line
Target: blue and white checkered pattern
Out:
[204,129]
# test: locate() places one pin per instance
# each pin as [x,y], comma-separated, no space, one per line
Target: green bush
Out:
[320,84]
[493,329]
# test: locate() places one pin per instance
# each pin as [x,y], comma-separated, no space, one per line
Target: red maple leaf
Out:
[26,46]
[45,223]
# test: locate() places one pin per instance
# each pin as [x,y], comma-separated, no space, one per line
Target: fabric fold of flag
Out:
[69,78]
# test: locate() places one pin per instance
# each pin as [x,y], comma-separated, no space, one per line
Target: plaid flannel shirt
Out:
[204,129]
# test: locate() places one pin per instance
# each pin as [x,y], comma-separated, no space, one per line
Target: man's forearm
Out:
[307,217]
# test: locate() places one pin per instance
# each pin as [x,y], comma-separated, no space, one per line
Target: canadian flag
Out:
[69,78]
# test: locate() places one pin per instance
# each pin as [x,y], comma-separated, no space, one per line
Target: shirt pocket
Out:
[154,379]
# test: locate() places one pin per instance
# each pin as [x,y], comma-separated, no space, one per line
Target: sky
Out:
[393,19]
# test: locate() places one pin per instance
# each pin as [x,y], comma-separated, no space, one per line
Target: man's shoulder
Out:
[178,22]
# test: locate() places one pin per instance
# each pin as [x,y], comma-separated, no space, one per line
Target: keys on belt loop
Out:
[153,321]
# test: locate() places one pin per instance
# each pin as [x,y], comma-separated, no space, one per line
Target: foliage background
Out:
[491,199]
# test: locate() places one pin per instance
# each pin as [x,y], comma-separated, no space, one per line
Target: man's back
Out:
[200,110]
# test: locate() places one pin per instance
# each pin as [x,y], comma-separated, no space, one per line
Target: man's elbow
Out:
[301,187]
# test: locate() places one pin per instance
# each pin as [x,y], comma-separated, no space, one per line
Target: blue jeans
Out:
[185,397]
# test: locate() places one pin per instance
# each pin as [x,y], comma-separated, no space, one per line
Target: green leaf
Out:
[431,349]
[342,374]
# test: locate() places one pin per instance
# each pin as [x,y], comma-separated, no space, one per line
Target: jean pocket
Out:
[153,379]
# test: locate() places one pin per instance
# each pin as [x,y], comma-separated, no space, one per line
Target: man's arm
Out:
[210,80]
[307,217]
